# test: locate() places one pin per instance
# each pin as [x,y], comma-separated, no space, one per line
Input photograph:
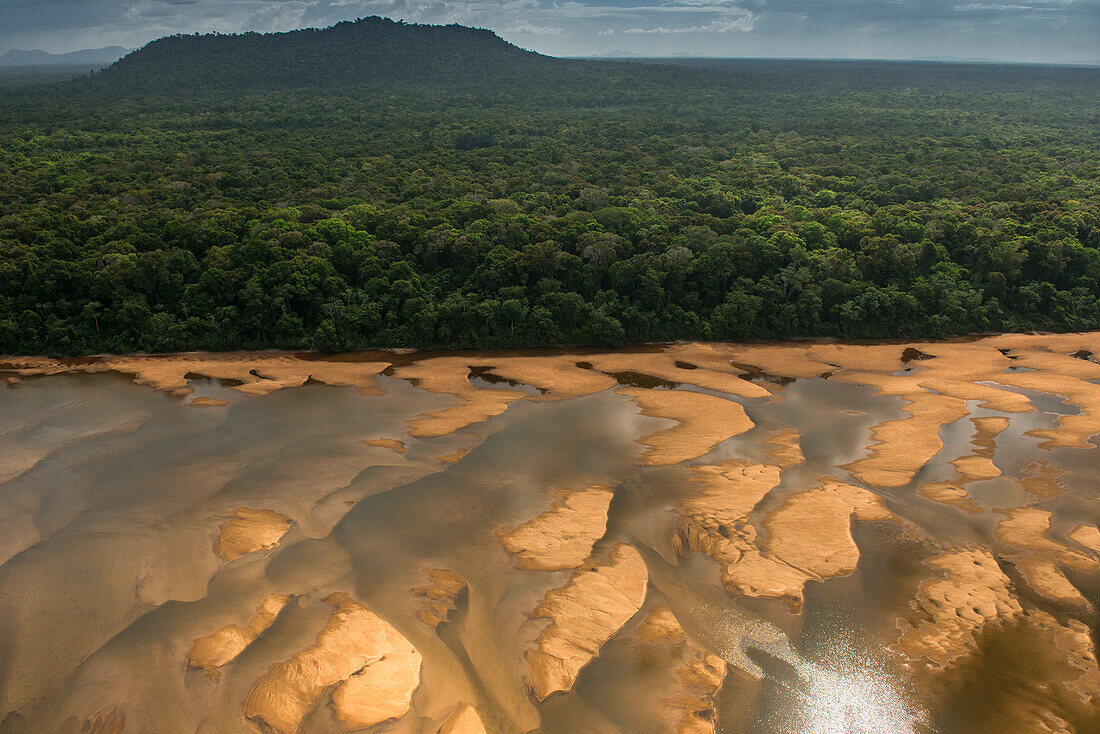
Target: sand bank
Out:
[584,614]
[952,609]
[692,675]
[1039,557]
[249,530]
[785,447]
[370,668]
[215,650]
[252,373]
[392,444]
[563,536]
[808,535]
[112,499]
[463,721]
[704,421]
[438,595]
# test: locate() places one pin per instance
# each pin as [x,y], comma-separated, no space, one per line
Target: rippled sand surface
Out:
[696,538]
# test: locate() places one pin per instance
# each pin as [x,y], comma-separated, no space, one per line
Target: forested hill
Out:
[384,185]
[362,52]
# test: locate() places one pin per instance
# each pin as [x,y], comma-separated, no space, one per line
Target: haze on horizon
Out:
[1033,31]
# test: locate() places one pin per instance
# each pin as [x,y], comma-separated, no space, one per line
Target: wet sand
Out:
[805,537]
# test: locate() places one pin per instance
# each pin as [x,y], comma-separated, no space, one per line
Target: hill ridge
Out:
[38,57]
[371,50]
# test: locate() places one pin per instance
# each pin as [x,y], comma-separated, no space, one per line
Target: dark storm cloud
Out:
[1024,30]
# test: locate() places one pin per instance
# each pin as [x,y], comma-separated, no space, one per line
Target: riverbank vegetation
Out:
[580,202]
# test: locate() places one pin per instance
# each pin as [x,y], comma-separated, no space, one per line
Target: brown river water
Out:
[772,539]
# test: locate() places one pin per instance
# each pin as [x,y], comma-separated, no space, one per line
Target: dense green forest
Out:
[443,188]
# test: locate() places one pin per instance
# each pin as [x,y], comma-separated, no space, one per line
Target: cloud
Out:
[742,23]
[1025,30]
[996,7]
[534,30]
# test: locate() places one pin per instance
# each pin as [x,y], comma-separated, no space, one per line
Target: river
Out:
[776,539]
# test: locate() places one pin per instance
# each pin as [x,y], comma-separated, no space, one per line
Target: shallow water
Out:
[112,495]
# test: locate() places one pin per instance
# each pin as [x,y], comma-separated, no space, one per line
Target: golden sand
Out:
[1074,641]
[563,536]
[949,493]
[463,721]
[381,690]
[785,447]
[215,650]
[362,672]
[575,375]
[450,375]
[692,674]
[704,422]
[438,595]
[249,530]
[809,534]
[110,720]
[452,458]
[812,530]
[1041,479]
[710,370]
[809,538]
[935,385]
[1070,430]
[252,373]
[950,610]
[373,668]
[584,614]
[1039,556]
[973,467]
[1086,535]
[557,375]
[904,446]
[1026,527]
[716,520]
[936,392]
[388,443]
[1058,373]
[986,430]
[207,402]
[789,360]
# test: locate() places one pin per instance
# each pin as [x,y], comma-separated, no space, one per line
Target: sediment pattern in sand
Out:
[470,543]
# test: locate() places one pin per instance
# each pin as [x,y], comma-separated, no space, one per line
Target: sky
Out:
[1045,31]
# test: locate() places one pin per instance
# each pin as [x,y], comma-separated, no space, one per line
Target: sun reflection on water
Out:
[844,689]
[851,700]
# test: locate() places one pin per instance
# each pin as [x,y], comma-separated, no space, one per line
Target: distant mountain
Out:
[89,56]
[367,51]
[616,54]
